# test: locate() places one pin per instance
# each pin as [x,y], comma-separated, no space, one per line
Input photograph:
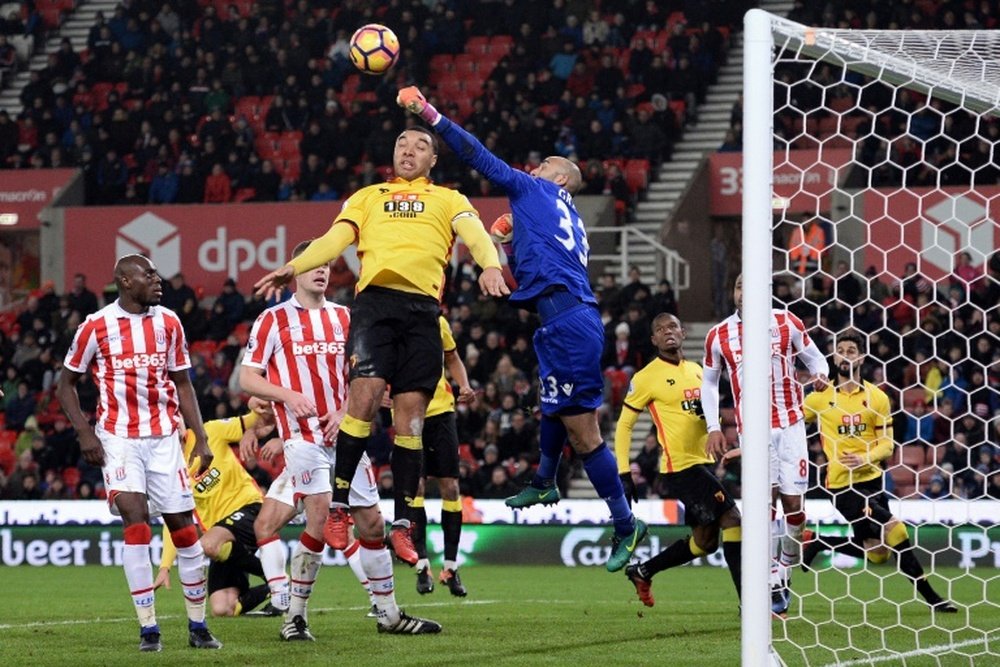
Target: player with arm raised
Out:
[228,501]
[670,387]
[296,359]
[855,425]
[548,256]
[404,230]
[788,450]
[138,354]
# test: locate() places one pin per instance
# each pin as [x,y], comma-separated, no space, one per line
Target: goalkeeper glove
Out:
[411,99]
[631,493]
[502,229]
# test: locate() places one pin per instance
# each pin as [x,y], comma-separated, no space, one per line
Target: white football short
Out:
[789,459]
[310,468]
[154,466]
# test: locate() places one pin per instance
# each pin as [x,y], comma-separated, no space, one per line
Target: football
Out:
[374,49]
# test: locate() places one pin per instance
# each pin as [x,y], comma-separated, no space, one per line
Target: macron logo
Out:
[155,360]
[154,237]
[321,347]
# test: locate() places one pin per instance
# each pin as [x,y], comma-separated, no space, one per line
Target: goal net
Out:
[873,158]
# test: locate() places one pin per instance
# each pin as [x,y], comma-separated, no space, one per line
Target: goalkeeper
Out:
[855,425]
[547,248]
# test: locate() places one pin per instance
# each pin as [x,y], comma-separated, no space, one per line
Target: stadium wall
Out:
[209,243]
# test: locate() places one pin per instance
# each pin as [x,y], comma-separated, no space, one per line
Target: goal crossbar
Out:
[959,66]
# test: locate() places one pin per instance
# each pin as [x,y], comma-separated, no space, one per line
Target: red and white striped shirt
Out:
[724,347]
[132,356]
[303,349]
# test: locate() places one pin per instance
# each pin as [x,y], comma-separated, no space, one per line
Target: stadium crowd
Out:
[215,101]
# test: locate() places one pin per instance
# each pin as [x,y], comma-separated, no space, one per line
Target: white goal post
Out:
[960,69]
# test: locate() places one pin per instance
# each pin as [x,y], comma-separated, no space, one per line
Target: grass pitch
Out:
[521,616]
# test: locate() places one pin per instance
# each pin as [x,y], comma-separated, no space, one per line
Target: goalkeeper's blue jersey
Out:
[550,242]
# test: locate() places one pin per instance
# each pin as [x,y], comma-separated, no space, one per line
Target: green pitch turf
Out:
[520,616]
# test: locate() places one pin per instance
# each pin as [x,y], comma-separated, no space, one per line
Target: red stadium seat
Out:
[51,16]
[466,65]
[501,44]
[247,106]
[71,477]
[637,174]
[7,439]
[478,45]
[442,62]
[679,107]
[244,194]
[242,332]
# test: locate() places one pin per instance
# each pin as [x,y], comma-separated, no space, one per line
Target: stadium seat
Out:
[51,16]
[247,106]
[501,44]
[478,45]
[466,65]
[637,174]
[244,194]
[71,477]
[7,461]
[7,439]
[442,62]
[242,332]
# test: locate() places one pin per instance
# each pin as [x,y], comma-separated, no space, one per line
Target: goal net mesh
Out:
[887,196]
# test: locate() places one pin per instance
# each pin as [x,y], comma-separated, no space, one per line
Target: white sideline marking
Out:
[930,650]
[451,603]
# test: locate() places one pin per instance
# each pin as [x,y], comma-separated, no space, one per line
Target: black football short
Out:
[440,439]
[396,336]
[227,574]
[865,506]
[705,499]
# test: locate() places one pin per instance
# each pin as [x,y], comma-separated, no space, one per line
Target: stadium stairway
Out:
[696,143]
[76,26]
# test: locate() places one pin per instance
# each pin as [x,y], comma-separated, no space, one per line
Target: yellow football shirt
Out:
[405,233]
[672,392]
[859,422]
[226,486]
[444,398]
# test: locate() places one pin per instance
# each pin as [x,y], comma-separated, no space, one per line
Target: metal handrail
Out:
[671,266]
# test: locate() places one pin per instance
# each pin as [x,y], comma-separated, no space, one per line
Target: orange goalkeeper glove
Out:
[502,229]
[411,99]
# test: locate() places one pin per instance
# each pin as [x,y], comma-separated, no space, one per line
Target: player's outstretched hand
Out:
[716,445]
[631,493]
[162,579]
[411,99]
[502,229]
[492,283]
[91,448]
[271,285]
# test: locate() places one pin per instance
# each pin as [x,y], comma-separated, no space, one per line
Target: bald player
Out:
[547,251]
